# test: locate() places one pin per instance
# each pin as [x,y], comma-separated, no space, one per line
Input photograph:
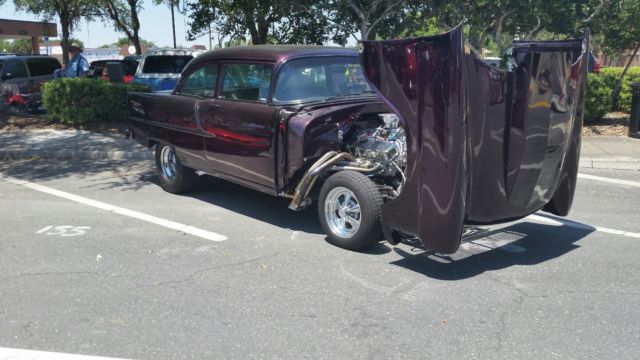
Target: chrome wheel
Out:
[342,212]
[168,163]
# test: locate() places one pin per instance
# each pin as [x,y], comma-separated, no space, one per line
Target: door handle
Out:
[214,106]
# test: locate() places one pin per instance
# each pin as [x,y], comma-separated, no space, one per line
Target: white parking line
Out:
[609,180]
[20,354]
[573,224]
[208,235]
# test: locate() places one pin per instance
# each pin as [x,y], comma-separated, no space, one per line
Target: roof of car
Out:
[4,57]
[273,53]
[167,51]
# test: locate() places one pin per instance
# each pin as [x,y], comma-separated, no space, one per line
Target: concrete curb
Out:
[76,155]
[613,163]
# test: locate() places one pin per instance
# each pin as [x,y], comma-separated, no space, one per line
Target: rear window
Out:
[16,69]
[165,64]
[42,66]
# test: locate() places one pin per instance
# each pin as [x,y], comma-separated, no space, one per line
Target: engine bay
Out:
[380,142]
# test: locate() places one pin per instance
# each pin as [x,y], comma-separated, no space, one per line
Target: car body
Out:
[493,61]
[25,74]
[445,141]
[160,68]
[97,69]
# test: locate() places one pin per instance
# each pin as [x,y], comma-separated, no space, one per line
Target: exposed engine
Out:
[385,146]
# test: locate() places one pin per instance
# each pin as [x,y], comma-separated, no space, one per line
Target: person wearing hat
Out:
[78,66]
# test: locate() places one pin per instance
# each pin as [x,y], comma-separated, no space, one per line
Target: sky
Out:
[155,26]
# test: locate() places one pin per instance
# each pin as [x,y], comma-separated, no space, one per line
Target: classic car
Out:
[411,138]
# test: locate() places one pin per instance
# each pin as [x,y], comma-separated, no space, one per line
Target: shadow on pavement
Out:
[257,205]
[125,173]
[523,243]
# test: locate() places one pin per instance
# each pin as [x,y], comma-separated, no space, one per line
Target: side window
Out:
[16,68]
[201,82]
[246,82]
[42,66]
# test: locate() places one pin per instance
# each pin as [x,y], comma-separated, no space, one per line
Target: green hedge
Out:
[77,101]
[599,89]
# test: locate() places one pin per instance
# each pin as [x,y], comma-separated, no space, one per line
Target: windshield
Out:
[165,64]
[320,78]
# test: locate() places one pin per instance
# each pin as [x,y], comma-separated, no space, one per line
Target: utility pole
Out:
[210,47]
[173,23]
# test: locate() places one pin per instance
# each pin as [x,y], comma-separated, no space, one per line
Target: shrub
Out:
[612,75]
[77,101]
[598,100]
[599,89]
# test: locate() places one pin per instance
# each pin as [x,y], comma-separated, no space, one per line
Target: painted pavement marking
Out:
[187,229]
[21,354]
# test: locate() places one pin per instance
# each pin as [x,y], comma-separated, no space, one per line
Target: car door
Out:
[240,125]
[178,115]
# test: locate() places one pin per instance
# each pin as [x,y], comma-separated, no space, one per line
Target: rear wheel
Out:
[349,210]
[174,177]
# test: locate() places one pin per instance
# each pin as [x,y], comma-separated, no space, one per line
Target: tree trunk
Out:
[135,26]
[64,23]
[173,24]
[263,31]
[616,91]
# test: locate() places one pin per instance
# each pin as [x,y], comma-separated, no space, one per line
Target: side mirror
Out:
[7,76]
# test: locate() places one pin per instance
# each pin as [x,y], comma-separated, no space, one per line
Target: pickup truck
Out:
[410,138]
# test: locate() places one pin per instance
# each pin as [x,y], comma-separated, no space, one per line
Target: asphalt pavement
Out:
[95,259]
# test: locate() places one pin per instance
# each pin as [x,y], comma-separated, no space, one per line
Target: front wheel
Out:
[174,177]
[349,210]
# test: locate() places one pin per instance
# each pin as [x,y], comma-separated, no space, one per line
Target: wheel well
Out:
[151,143]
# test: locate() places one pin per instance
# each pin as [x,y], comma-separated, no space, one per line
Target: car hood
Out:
[484,145]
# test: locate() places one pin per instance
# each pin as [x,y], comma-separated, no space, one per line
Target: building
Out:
[36,31]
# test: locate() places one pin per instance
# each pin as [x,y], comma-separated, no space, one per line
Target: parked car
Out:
[493,61]
[25,74]
[419,147]
[98,70]
[161,68]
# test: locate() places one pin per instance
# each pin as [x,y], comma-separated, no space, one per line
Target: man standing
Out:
[78,66]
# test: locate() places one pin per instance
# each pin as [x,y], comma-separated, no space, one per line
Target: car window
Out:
[165,64]
[246,82]
[42,66]
[319,78]
[16,68]
[201,82]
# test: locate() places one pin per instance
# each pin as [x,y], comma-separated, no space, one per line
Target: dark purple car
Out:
[405,138]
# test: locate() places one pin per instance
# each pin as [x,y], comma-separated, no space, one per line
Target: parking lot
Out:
[95,259]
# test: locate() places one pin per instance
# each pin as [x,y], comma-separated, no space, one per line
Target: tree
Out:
[173,5]
[621,30]
[19,46]
[125,41]
[497,23]
[265,21]
[124,14]
[69,12]
[363,16]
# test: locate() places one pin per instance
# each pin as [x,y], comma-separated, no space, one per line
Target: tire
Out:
[340,224]
[175,178]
